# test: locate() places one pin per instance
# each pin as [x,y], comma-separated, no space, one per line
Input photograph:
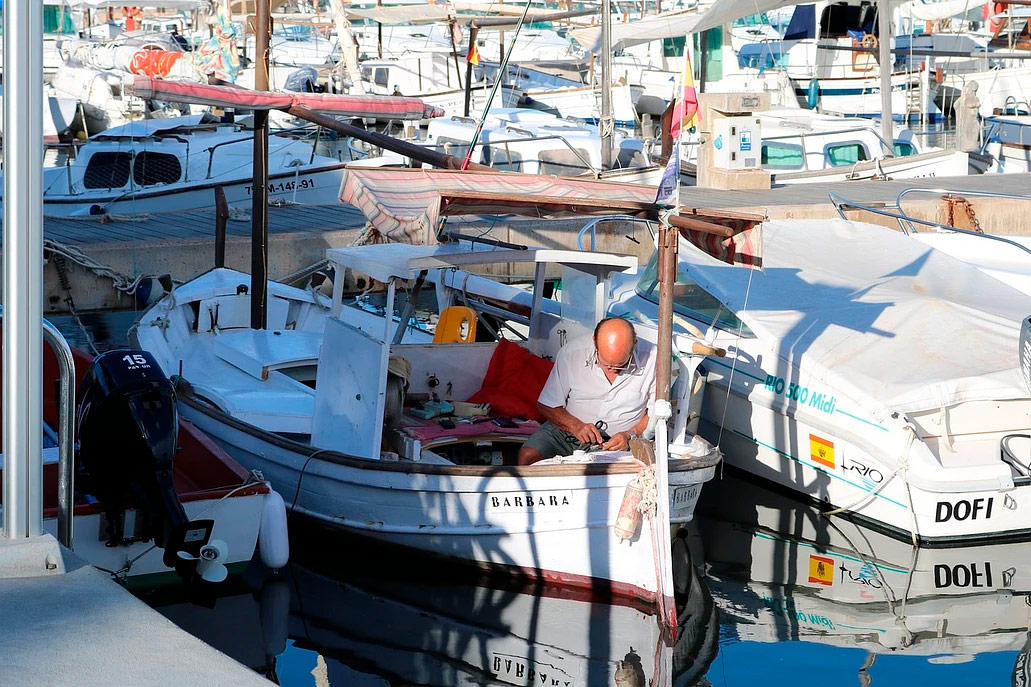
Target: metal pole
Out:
[23,269]
[605,124]
[259,185]
[454,53]
[221,218]
[65,434]
[667,274]
[473,31]
[884,44]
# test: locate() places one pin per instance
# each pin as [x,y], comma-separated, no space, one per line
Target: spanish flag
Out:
[685,111]
[473,57]
[821,570]
[821,451]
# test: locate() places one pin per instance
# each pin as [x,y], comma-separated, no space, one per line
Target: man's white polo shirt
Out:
[578,384]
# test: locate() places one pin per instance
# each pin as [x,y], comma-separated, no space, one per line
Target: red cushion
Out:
[513,382]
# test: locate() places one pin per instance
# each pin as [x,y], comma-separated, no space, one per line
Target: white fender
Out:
[273,540]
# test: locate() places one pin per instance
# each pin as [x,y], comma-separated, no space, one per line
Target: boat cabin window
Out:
[107,170]
[839,18]
[155,168]
[840,154]
[903,148]
[381,77]
[453,146]
[503,157]
[563,162]
[690,299]
[778,155]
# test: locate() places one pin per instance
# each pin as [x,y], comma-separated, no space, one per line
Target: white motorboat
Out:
[780,570]
[803,146]
[175,164]
[129,536]
[845,382]
[309,402]
[534,142]
[815,53]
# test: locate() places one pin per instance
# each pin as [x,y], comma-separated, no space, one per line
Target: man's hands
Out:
[620,441]
[586,433]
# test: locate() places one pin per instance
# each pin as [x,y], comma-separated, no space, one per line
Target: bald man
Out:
[607,379]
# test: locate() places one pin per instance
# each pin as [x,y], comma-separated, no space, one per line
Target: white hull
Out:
[766,551]
[236,523]
[933,164]
[860,96]
[313,187]
[483,518]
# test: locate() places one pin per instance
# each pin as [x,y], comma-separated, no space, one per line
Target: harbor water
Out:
[770,592]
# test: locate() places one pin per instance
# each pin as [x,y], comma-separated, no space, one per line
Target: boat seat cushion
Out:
[513,383]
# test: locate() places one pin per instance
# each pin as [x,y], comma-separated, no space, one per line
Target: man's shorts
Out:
[551,440]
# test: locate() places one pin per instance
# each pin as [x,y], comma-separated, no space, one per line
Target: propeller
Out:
[210,562]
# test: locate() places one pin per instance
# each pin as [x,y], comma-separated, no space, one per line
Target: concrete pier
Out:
[66,623]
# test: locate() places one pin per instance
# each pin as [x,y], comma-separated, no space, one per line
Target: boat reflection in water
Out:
[851,600]
[347,620]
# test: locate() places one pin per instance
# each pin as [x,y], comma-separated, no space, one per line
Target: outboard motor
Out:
[128,432]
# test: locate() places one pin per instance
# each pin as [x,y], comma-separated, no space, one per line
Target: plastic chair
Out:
[449,325]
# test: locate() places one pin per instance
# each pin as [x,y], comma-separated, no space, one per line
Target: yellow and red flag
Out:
[685,111]
[473,57]
[821,570]
[821,451]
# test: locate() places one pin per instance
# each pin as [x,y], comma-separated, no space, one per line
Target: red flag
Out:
[474,55]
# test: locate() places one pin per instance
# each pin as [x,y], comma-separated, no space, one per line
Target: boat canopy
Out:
[629,34]
[861,311]
[406,205]
[386,261]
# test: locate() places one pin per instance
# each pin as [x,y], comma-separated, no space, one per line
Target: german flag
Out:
[474,55]
[821,570]
[821,451]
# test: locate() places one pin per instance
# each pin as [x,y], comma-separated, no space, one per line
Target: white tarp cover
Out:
[873,315]
[943,9]
[725,11]
[649,29]
[402,14]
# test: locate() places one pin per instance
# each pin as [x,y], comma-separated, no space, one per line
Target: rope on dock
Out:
[122,282]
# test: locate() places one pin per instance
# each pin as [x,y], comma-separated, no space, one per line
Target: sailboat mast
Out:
[885,58]
[259,184]
[605,123]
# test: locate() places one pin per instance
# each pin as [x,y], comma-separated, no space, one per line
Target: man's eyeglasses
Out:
[628,365]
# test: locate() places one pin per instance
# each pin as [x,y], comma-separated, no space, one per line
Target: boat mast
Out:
[605,124]
[259,184]
[884,49]
[23,270]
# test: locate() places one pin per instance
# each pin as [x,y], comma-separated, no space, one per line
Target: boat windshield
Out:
[690,299]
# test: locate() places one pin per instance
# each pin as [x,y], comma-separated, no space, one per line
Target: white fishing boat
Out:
[845,383]
[311,402]
[779,569]
[158,165]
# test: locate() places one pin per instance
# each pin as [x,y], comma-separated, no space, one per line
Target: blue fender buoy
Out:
[813,96]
